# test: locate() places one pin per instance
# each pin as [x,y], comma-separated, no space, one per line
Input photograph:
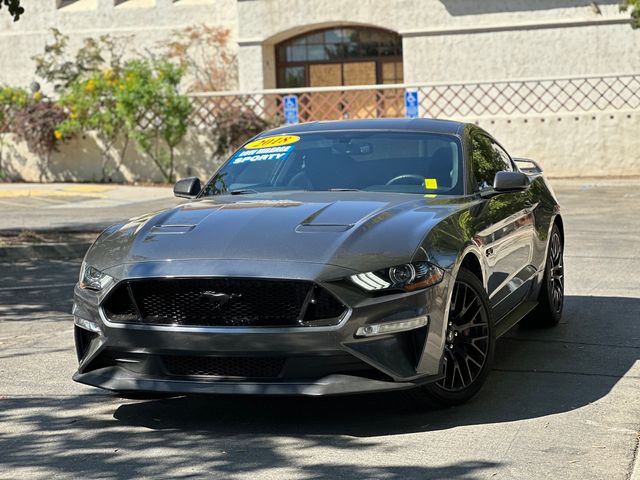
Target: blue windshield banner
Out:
[263,154]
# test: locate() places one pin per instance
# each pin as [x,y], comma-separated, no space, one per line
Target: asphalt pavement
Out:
[76,207]
[561,403]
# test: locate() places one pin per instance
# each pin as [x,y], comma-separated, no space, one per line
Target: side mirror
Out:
[510,182]
[187,187]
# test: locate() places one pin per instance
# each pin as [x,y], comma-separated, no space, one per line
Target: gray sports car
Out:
[327,258]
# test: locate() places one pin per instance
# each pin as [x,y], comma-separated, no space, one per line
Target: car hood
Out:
[355,230]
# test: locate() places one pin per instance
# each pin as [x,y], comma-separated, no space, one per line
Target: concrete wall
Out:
[454,40]
[591,144]
[79,160]
[444,40]
[567,145]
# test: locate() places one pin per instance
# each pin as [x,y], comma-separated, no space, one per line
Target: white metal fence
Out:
[436,100]
[442,100]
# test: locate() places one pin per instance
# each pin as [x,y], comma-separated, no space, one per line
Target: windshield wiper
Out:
[242,191]
[345,190]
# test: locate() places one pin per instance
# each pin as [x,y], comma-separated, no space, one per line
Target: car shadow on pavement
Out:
[538,372]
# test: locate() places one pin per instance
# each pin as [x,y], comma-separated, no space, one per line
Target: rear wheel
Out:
[551,298]
[469,345]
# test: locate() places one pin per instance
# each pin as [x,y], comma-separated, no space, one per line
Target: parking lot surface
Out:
[561,403]
[76,207]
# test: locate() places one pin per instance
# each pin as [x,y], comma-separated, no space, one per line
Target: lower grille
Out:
[245,367]
[227,302]
[83,340]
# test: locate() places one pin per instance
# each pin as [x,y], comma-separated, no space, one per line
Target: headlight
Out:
[409,277]
[92,278]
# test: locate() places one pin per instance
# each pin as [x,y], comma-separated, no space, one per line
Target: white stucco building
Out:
[571,98]
[344,42]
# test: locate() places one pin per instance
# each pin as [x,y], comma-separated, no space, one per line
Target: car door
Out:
[505,228]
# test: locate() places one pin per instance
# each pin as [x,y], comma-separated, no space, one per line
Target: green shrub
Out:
[37,124]
[155,112]
[13,99]
[92,104]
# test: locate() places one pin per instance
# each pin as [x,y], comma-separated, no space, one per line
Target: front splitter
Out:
[116,379]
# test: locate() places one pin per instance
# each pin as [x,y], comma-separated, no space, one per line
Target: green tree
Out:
[61,69]
[634,7]
[156,113]
[206,55]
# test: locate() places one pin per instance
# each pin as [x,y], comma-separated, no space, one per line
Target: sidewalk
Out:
[76,207]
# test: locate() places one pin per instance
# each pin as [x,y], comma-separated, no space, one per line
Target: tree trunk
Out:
[171,180]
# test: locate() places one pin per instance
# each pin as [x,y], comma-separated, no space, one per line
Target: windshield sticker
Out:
[272,141]
[263,154]
[430,184]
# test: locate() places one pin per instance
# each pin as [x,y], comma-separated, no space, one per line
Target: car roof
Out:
[407,124]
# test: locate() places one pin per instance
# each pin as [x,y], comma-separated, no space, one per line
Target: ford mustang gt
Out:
[327,258]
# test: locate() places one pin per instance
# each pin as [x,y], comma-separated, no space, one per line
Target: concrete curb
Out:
[44,251]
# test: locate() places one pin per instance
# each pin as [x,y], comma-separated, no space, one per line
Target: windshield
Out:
[376,161]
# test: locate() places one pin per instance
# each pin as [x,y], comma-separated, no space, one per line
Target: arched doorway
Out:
[340,56]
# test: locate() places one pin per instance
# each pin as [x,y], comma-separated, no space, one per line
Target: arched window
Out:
[340,56]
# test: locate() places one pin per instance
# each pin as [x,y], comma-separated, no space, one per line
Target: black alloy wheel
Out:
[469,345]
[556,272]
[467,339]
[548,312]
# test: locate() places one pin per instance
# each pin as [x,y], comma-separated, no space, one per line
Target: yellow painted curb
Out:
[87,188]
[48,193]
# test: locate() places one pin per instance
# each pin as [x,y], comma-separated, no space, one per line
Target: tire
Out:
[548,312]
[468,353]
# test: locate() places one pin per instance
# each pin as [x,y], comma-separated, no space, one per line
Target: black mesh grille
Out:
[322,305]
[246,367]
[222,302]
[119,307]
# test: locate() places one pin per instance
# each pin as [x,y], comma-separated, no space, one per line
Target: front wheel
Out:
[469,345]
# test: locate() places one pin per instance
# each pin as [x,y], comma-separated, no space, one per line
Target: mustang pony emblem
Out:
[217,299]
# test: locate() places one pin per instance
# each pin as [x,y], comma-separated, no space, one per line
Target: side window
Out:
[504,156]
[488,158]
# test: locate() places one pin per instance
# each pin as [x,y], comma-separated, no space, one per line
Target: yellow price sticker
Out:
[272,141]
[430,184]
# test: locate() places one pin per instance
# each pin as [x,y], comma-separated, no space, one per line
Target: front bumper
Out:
[327,360]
